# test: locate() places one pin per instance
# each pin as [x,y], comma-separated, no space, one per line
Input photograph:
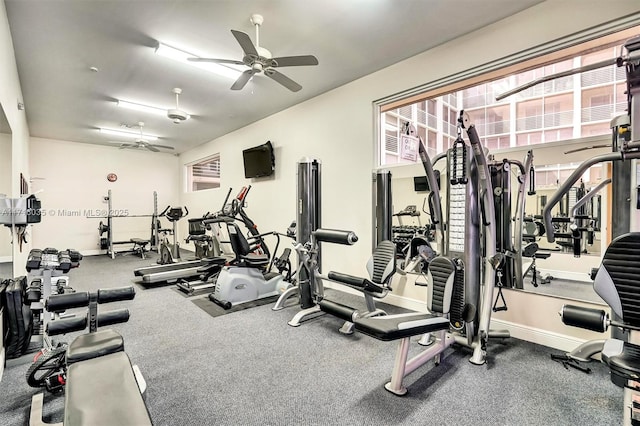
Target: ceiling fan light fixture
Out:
[126,134]
[181,56]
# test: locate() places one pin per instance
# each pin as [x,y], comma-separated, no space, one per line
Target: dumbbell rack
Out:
[46,269]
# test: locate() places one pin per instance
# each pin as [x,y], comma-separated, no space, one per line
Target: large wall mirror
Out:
[563,121]
[6,269]
[559,272]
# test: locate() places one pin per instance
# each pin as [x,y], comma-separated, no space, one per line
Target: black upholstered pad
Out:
[86,346]
[104,391]
[393,327]
[623,358]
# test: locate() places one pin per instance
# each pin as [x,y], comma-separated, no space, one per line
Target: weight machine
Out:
[616,279]
[139,245]
[310,288]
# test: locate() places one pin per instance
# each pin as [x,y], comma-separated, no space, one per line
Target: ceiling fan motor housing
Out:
[177,115]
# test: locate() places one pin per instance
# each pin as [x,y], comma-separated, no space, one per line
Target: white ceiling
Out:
[57,42]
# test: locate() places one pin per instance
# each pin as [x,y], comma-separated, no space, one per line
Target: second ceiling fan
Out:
[259,59]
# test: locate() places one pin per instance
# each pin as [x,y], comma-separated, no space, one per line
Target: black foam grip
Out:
[66,325]
[347,279]
[587,318]
[532,181]
[116,294]
[360,283]
[576,243]
[337,309]
[335,236]
[61,302]
[113,317]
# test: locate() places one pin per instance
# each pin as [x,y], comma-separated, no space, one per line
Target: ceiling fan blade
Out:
[245,42]
[243,79]
[151,148]
[584,148]
[216,61]
[283,79]
[293,61]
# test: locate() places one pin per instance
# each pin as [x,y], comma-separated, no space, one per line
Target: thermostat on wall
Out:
[112,177]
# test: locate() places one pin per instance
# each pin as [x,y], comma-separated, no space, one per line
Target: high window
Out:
[204,174]
[569,107]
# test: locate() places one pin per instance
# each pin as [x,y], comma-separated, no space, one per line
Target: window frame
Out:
[529,59]
[189,177]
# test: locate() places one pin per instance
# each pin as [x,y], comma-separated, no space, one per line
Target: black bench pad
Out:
[92,345]
[104,391]
[393,327]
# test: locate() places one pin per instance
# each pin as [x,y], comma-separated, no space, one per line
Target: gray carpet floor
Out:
[251,368]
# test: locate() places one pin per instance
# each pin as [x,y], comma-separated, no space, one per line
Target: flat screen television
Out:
[259,161]
[421,184]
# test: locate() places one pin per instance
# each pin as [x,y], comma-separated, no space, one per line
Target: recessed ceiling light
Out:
[181,56]
[127,134]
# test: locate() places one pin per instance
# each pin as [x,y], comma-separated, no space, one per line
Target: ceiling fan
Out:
[141,143]
[176,114]
[259,59]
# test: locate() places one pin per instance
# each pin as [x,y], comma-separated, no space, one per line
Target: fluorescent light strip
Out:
[181,56]
[141,107]
[145,108]
[127,134]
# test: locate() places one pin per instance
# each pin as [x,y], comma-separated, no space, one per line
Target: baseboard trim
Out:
[564,275]
[538,336]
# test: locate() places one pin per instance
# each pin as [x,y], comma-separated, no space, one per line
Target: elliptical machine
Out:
[248,276]
[170,252]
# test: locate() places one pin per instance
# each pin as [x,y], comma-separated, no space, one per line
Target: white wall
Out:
[338,128]
[5,188]
[73,181]
[10,95]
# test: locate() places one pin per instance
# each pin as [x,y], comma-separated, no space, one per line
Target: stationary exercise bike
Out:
[170,252]
[248,276]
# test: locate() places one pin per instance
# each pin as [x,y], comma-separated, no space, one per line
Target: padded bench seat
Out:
[104,391]
[623,358]
[394,327]
[92,345]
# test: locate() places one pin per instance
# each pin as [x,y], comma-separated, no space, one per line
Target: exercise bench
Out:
[102,386]
[440,282]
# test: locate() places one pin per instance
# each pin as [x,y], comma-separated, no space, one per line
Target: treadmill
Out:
[185,270]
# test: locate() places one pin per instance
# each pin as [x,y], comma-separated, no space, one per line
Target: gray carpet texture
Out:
[251,368]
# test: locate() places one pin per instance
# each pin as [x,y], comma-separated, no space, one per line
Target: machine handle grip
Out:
[432,209]
[164,211]
[532,181]
[116,294]
[577,238]
[186,211]
[335,236]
